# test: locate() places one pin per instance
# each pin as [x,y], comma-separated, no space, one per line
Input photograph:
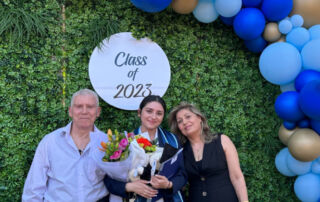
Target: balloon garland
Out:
[289,48]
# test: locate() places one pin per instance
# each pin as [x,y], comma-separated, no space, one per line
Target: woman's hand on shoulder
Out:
[141,188]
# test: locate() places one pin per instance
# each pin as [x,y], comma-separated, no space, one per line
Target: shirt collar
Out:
[67,129]
[146,135]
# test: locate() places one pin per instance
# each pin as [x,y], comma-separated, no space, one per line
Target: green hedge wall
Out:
[209,67]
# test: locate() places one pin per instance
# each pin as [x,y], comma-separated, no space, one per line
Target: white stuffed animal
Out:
[138,167]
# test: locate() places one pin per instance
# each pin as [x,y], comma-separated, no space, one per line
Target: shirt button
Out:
[203,179]
[204,193]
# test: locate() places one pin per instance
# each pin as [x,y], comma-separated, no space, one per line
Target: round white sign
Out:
[125,70]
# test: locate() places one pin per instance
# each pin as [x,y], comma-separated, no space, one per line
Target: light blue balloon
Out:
[314,32]
[296,20]
[298,167]
[280,63]
[315,167]
[307,187]
[205,11]
[288,87]
[285,26]
[310,55]
[281,162]
[298,37]
[228,8]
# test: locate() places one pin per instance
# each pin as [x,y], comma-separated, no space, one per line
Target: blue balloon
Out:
[280,63]
[306,187]
[315,125]
[298,167]
[205,11]
[305,77]
[281,162]
[227,21]
[310,55]
[305,123]
[151,6]
[309,100]
[275,10]
[287,87]
[314,32]
[287,106]
[249,23]
[296,20]
[251,3]
[289,125]
[315,167]
[228,8]
[298,37]
[256,45]
[285,26]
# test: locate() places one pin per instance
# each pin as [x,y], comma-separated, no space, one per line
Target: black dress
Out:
[209,178]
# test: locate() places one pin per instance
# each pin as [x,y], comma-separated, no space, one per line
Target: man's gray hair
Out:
[85,92]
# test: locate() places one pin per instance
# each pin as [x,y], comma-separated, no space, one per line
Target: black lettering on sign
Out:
[126,59]
[130,90]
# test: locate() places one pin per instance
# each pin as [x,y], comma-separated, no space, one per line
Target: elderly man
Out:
[62,169]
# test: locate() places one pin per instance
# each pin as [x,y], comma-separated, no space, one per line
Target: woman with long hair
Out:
[211,159]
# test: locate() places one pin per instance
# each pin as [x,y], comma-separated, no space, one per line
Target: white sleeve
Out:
[36,183]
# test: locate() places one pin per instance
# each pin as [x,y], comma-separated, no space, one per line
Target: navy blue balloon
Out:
[256,45]
[249,23]
[315,125]
[309,99]
[305,123]
[287,107]
[305,77]
[227,21]
[251,3]
[276,10]
[151,6]
[289,125]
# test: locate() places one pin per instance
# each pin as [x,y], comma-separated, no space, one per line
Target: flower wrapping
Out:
[121,153]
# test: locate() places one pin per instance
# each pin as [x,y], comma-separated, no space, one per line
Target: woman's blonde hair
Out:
[206,134]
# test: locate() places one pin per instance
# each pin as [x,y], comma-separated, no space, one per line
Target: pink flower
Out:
[123,143]
[116,155]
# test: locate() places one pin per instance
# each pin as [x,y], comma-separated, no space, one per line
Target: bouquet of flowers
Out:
[121,155]
[117,147]
[124,156]
[113,155]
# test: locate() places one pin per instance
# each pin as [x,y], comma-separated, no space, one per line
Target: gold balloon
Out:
[309,10]
[184,6]
[271,32]
[282,39]
[284,134]
[304,145]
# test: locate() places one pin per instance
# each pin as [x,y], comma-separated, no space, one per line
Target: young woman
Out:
[211,160]
[151,112]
